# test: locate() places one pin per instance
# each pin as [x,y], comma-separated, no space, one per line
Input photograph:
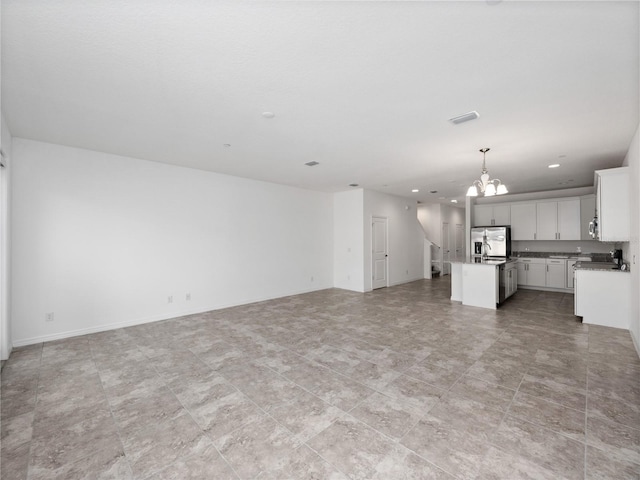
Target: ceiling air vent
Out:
[465,117]
[312,164]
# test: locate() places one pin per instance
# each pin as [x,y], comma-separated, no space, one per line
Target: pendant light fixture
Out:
[485,186]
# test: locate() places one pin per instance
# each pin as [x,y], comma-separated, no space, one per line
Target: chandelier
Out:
[485,186]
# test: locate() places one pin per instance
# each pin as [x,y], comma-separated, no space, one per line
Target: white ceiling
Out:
[364,88]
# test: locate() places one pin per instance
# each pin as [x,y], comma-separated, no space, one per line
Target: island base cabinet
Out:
[602,297]
[510,280]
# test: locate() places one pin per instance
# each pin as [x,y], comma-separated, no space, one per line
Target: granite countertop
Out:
[601,266]
[595,257]
[488,261]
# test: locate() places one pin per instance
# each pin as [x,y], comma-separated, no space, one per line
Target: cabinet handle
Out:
[534,236]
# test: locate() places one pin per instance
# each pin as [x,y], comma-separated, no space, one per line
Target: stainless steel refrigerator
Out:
[490,242]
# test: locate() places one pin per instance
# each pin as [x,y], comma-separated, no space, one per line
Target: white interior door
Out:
[446,249]
[379,252]
[459,252]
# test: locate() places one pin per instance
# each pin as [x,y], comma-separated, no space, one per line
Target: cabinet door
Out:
[613,204]
[587,212]
[502,215]
[569,219]
[521,269]
[511,284]
[555,275]
[523,221]
[547,221]
[482,215]
[537,275]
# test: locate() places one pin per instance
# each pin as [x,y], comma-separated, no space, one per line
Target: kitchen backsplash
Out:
[565,247]
[595,257]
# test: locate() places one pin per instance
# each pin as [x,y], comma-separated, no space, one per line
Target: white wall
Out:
[102,241]
[406,240]
[348,240]
[632,250]
[5,243]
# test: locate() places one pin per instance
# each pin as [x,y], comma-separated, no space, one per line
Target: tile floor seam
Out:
[325,460]
[35,405]
[267,414]
[197,425]
[586,423]
[628,425]
[117,426]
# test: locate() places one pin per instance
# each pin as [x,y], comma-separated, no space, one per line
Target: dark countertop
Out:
[488,261]
[601,266]
[595,257]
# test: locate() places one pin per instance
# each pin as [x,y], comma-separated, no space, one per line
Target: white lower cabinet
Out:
[555,275]
[543,272]
[532,272]
[510,280]
[601,297]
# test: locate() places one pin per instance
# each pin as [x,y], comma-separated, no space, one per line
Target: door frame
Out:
[5,327]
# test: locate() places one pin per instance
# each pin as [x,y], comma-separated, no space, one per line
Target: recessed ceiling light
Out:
[454,201]
[465,117]
[268,114]
[353,185]
[415,190]
[312,163]
[554,165]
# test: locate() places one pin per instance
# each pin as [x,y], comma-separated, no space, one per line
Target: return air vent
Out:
[465,117]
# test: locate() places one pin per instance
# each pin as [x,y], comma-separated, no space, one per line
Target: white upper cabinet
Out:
[569,219]
[558,220]
[587,212]
[488,215]
[523,221]
[547,221]
[612,204]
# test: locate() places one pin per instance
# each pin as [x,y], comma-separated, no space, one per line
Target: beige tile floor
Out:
[400,383]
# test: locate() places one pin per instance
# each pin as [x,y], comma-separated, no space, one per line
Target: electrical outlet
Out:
[170,299]
[188,296]
[48,317]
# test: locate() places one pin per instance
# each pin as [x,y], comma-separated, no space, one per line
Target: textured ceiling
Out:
[363,88]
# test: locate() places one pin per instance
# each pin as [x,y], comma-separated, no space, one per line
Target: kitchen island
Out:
[483,284]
